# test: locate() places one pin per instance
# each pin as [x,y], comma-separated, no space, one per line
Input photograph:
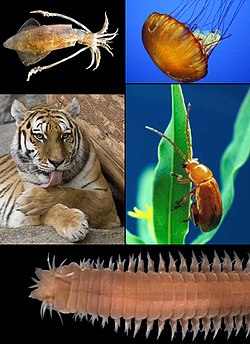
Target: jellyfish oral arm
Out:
[208,40]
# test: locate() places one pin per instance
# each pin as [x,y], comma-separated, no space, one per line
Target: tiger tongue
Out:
[55,178]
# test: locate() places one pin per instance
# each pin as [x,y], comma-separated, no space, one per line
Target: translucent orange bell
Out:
[178,52]
[182,51]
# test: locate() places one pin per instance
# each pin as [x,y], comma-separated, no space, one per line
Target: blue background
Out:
[229,62]
[213,112]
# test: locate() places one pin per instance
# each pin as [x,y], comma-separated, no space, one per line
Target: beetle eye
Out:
[65,136]
[184,164]
[39,137]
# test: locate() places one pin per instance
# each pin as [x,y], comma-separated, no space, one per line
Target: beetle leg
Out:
[194,214]
[182,202]
[186,220]
[180,178]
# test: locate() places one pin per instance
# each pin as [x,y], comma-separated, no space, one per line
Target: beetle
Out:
[33,41]
[206,209]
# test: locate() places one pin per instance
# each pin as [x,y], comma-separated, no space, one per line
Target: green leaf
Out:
[143,213]
[168,224]
[133,239]
[144,196]
[234,157]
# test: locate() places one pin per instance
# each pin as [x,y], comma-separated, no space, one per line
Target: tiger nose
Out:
[55,162]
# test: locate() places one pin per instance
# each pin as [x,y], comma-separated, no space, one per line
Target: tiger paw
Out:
[34,201]
[70,223]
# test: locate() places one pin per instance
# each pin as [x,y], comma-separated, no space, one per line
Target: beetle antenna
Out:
[187,132]
[169,140]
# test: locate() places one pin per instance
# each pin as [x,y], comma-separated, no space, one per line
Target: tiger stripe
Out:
[48,140]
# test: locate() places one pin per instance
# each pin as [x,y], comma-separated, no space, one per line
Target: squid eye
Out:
[65,136]
[39,137]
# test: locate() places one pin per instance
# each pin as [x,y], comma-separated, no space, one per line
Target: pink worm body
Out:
[205,294]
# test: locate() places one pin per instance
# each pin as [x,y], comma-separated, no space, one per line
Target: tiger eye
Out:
[39,137]
[65,136]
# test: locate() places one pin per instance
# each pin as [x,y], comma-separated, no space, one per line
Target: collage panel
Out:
[76,287]
[219,126]
[62,169]
[187,41]
[40,35]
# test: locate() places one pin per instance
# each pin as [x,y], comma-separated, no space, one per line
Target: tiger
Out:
[52,175]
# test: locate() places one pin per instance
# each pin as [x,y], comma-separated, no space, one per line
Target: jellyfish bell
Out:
[174,48]
[181,50]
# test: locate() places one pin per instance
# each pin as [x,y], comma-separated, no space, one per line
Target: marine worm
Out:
[200,298]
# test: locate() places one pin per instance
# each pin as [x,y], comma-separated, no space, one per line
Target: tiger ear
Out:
[18,110]
[73,108]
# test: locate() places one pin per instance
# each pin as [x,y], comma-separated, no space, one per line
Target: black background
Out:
[70,76]
[20,318]
[20,315]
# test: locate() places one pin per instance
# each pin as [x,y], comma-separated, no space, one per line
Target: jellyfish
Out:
[181,49]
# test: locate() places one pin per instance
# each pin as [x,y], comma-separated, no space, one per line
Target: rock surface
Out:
[47,235]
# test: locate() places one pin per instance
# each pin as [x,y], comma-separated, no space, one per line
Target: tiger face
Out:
[48,146]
